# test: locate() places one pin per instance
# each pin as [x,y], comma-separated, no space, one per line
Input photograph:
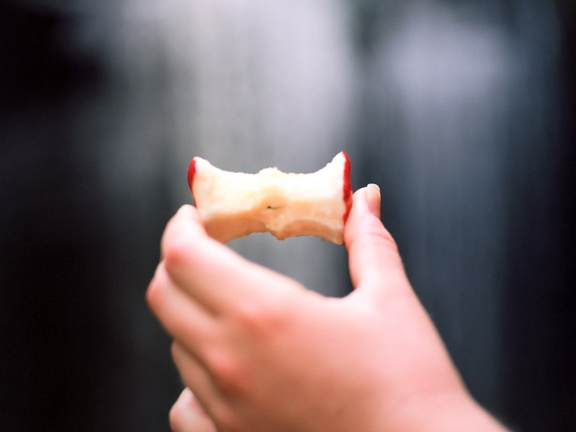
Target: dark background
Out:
[488,237]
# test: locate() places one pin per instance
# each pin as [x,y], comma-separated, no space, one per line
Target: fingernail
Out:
[373,199]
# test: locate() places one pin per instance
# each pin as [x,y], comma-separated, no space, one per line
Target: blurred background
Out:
[462,111]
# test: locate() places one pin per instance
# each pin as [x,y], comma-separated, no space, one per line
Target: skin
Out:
[259,352]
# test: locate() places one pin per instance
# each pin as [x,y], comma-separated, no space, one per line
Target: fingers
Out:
[211,273]
[187,415]
[208,391]
[372,252]
[195,374]
[182,318]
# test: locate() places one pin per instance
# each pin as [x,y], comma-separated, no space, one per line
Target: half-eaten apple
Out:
[236,204]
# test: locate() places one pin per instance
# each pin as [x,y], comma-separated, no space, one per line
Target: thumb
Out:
[373,258]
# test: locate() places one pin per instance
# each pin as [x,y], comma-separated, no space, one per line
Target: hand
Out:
[262,353]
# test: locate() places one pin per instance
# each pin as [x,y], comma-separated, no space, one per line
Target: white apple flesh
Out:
[235,204]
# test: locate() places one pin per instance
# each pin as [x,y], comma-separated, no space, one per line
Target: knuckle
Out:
[267,313]
[175,350]
[263,315]
[175,252]
[228,374]
[380,238]
[154,293]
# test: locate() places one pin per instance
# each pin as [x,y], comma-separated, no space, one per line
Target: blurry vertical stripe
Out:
[458,99]
[245,84]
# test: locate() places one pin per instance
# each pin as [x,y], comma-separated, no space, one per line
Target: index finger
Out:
[210,272]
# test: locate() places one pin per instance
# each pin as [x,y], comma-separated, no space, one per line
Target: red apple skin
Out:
[191,172]
[347,191]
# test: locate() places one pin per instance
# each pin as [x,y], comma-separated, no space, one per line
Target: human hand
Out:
[262,353]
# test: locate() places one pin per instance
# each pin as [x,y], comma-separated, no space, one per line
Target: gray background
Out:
[462,111]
